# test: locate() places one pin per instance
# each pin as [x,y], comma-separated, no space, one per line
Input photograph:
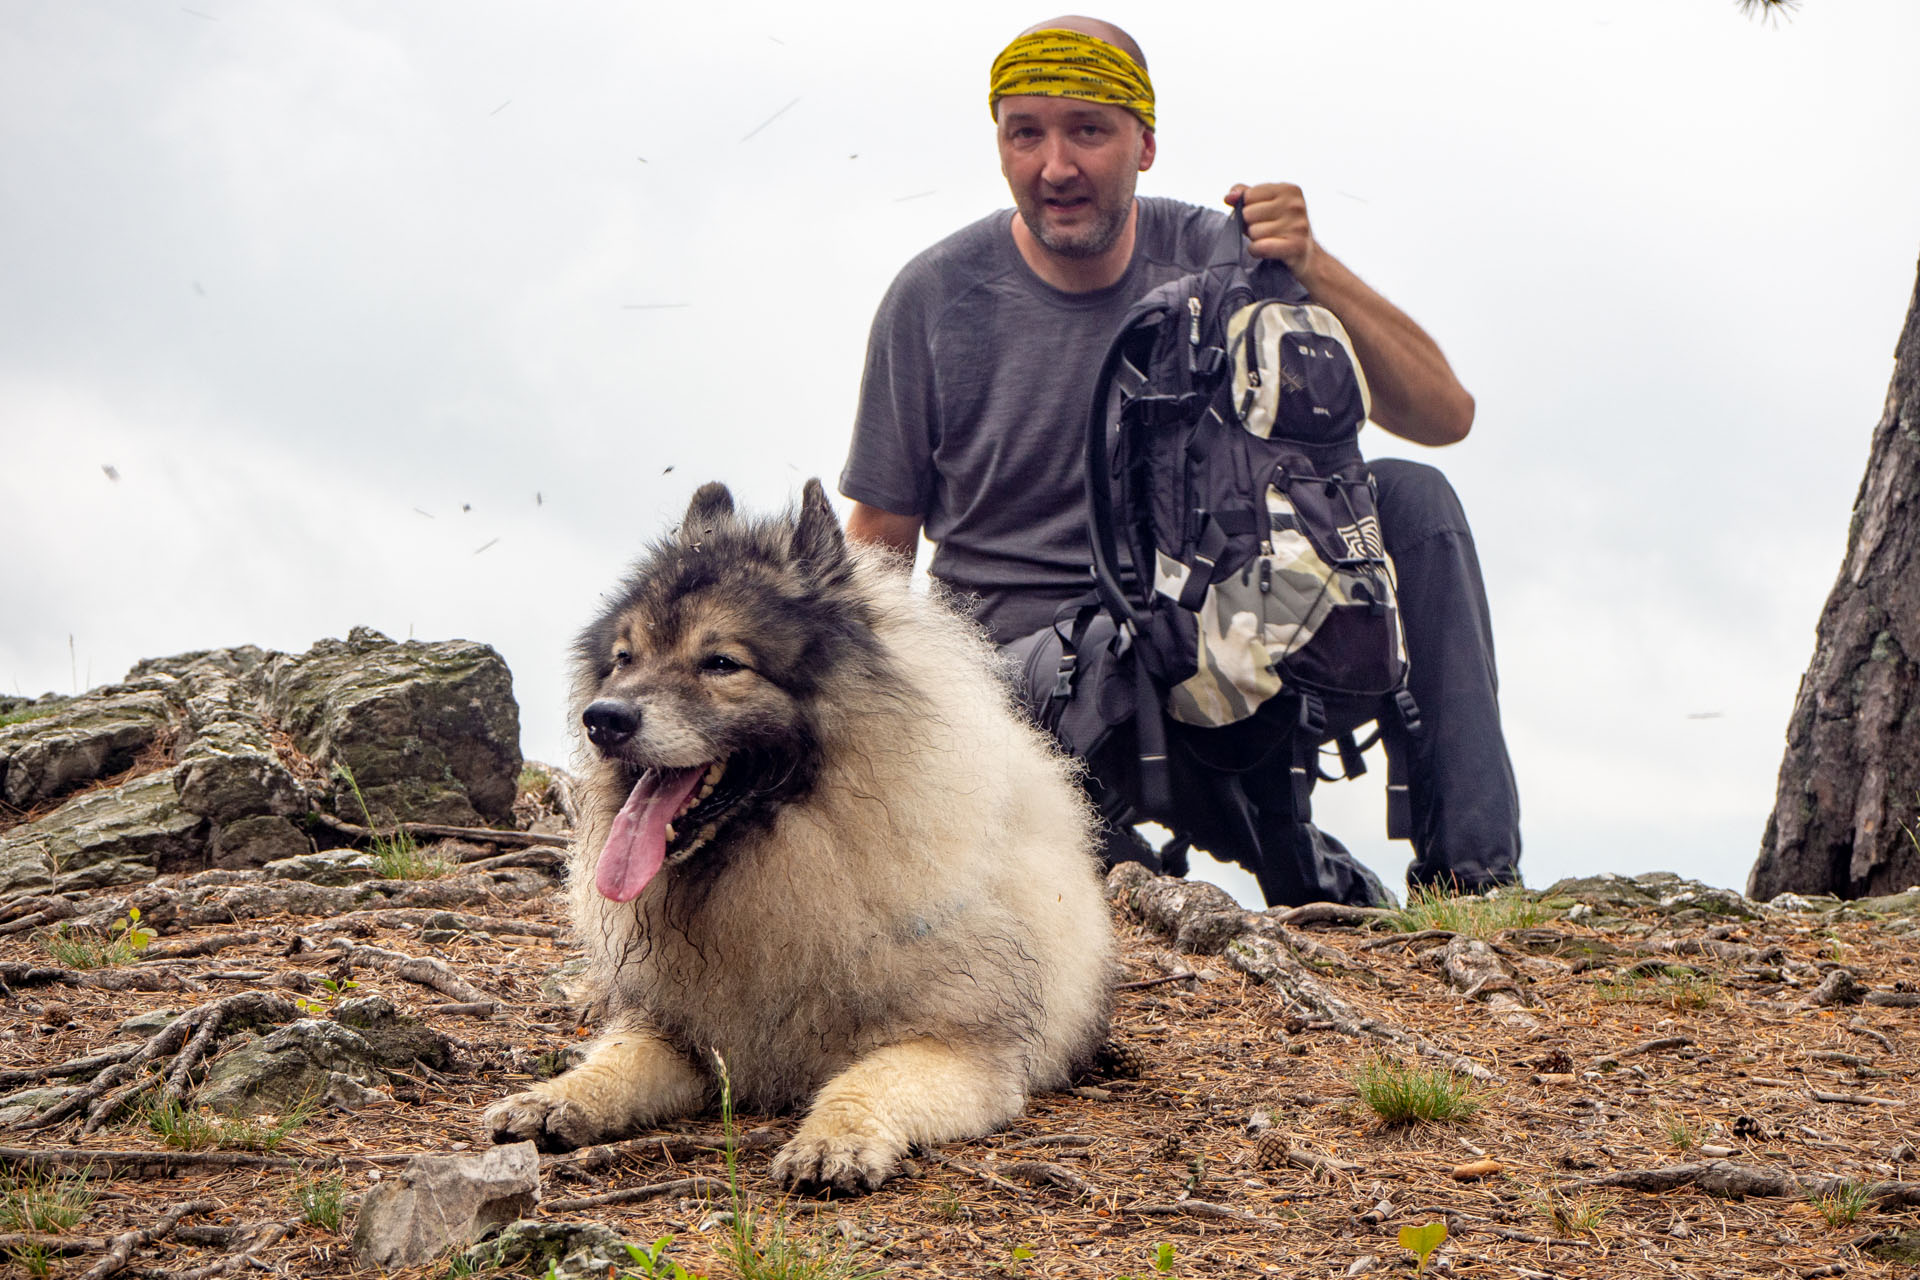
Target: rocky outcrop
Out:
[217,759]
[438,1203]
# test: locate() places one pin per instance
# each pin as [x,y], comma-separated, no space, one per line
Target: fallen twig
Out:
[1201,1209]
[1655,1046]
[519,839]
[15,974]
[1854,1099]
[674,1147]
[241,1254]
[389,917]
[997,1183]
[164,1163]
[1161,981]
[696,1186]
[1330,913]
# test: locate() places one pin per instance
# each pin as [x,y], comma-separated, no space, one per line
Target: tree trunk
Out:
[1846,817]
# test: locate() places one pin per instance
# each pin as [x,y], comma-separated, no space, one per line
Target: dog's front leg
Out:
[865,1118]
[630,1080]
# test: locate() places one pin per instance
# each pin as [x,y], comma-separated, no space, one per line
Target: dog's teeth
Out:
[670,831]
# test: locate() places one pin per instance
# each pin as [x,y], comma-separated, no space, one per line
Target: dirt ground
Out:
[1241,1148]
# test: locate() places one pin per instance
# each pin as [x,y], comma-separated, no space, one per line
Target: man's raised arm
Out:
[1415,393]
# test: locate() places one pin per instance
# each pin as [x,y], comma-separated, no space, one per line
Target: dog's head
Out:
[701,684]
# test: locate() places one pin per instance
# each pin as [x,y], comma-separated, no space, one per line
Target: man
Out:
[978,375]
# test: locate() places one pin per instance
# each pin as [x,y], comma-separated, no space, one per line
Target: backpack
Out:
[1235,531]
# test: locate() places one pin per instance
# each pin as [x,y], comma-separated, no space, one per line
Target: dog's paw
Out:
[550,1123]
[848,1163]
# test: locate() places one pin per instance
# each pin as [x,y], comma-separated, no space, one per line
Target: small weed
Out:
[322,1201]
[44,1202]
[330,988]
[1403,1095]
[653,1261]
[33,1258]
[23,714]
[122,943]
[1470,917]
[395,853]
[185,1129]
[474,1261]
[1422,1241]
[533,780]
[764,1250]
[1571,1216]
[1680,1132]
[1842,1206]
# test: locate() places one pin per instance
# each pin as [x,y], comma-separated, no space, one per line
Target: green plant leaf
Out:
[1422,1241]
[1163,1258]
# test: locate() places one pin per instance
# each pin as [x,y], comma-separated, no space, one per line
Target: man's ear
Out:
[1146,150]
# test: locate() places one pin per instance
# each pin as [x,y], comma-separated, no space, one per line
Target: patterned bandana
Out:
[1068,64]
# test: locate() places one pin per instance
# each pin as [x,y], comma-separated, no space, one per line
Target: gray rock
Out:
[18,1108]
[1658,892]
[437,1203]
[431,731]
[25,863]
[333,867]
[146,1024]
[88,738]
[118,835]
[573,1250]
[394,1038]
[310,1060]
[256,841]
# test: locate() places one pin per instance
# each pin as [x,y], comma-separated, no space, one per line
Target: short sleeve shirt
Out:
[973,407]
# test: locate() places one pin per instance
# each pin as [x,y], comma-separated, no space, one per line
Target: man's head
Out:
[1074,110]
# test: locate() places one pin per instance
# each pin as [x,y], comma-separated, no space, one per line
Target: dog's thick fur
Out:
[889,904]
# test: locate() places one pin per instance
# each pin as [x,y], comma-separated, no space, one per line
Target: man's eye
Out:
[720,664]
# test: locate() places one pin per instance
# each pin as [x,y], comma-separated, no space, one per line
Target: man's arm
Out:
[1415,393]
[899,534]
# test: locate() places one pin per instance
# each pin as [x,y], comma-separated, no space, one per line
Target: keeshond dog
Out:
[820,845]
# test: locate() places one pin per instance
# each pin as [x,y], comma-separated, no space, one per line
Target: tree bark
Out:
[1846,817]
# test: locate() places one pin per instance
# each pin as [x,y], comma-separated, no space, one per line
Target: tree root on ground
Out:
[1726,1178]
[120,1249]
[423,971]
[114,1087]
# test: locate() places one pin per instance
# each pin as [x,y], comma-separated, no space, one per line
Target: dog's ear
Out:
[817,540]
[711,504]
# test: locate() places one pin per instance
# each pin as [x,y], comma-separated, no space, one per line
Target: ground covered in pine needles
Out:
[1623,1079]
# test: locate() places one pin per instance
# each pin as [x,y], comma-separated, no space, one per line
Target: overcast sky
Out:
[427,316]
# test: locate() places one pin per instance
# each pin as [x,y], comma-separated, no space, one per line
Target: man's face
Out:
[1071,166]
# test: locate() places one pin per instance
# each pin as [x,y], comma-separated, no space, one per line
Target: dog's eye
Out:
[622,658]
[720,664]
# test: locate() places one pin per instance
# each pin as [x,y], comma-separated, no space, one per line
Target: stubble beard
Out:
[1088,242]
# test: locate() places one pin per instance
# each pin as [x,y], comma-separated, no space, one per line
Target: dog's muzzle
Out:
[610,723]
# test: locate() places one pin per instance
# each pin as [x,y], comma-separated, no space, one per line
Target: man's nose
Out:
[1057,163]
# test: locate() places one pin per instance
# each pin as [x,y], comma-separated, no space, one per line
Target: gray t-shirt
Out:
[973,407]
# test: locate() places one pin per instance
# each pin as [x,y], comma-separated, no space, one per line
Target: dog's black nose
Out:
[610,722]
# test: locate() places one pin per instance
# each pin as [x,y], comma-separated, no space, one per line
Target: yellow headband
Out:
[1069,64]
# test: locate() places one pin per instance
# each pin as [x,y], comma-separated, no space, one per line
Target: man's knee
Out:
[1416,502]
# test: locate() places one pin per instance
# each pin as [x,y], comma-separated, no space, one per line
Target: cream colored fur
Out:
[914,947]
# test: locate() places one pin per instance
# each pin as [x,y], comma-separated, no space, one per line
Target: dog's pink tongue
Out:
[637,844]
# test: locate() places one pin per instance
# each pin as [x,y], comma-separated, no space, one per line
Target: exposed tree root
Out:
[423,971]
[24,975]
[72,1067]
[695,1186]
[166,1163]
[1474,970]
[509,839]
[113,1087]
[120,1249]
[1726,1178]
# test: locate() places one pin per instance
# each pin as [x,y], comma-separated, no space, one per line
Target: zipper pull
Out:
[1193,328]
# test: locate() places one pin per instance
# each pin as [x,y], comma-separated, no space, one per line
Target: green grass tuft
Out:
[1842,1206]
[186,1129]
[47,1203]
[322,1201]
[395,853]
[1408,1095]
[1470,917]
[1574,1216]
[1676,988]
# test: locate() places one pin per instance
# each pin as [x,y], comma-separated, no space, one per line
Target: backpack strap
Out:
[1309,731]
[1397,727]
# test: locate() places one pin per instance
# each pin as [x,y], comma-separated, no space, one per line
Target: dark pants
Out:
[1231,787]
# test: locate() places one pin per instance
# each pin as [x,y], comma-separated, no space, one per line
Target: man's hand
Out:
[1277,226]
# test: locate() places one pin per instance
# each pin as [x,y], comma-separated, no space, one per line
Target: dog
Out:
[820,845]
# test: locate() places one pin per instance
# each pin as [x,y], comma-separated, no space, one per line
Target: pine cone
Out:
[1270,1152]
[1120,1060]
[1167,1149]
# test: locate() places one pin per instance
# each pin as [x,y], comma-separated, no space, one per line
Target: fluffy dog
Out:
[819,843]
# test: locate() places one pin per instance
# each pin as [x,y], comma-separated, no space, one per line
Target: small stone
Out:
[1363,1264]
[436,1203]
[1716,1151]
[146,1024]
